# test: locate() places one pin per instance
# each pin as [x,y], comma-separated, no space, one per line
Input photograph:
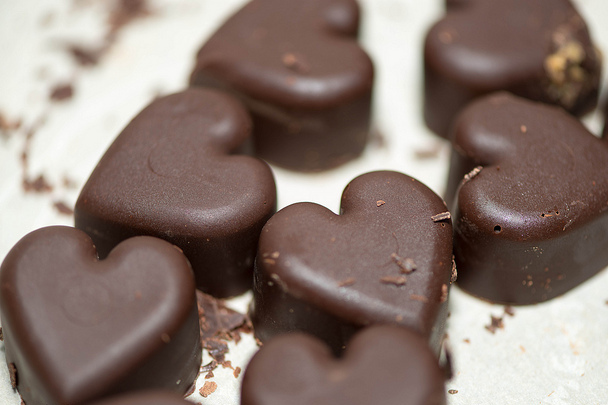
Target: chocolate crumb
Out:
[441,217]
[509,310]
[452,392]
[209,367]
[12,372]
[38,185]
[209,375]
[85,56]
[467,340]
[63,208]
[395,280]
[454,276]
[208,388]
[406,265]
[347,282]
[444,293]
[237,372]
[421,298]
[61,92]
[380,203]
[495,324]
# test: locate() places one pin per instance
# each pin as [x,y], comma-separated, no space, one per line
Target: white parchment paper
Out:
[554,353]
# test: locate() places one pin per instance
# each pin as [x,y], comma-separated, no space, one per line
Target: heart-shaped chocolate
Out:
[145,398]
[77,329]
[386,259]
[531,215]
[537,49]
[382,365]
[175,173]
[298,68]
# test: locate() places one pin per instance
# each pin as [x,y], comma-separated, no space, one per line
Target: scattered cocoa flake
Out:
[444,293]
[124,12]
[420,298]
[7,126]
[380,203]
[347,282]
[12,372]
[209,375]
[406,265]
[470,175]
[227,364]
[467,340]
[452,392]
[208,388]
[444,216]
[429,152]
[69,183]
[509,310]
[295,62]
[496,323]
[38,185]
[395,280]
[237,372]
[454,276]
[63,208]
[85,56]
[209,367]
[61,92]
[216,319]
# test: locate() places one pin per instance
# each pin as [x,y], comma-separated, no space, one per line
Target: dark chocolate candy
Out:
[298,68]
[382,365]
[531,218]
[386,259]
[175,173]
[77,329]
[537,49]
[145,398]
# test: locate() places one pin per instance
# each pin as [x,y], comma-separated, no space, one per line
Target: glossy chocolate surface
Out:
[77,329]
[531,218]
[145,398]
[382,365]
[175,172]
[383,260]
[537,49]
[298,68]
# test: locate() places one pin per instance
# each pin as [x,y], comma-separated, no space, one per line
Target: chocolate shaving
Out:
[192,388]
[380,203]
[444,293]
[38,185]
[467,340]
[85,56]
[208,388]
[406,265]
[12,372]
[237,372]
[209,367]
[452,392]
[444,216]
[61,92]
[395,280]
[454,276]
[469,176]
[209,375]
[347,282]
[495,324]
[63,208]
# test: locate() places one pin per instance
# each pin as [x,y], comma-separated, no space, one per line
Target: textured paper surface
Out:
[554,353]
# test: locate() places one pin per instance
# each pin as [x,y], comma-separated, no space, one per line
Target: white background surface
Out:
[554,353]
